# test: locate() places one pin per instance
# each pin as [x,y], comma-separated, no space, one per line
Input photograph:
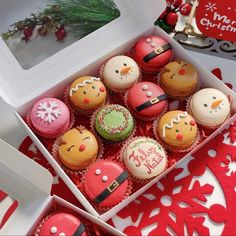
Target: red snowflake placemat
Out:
[197,198]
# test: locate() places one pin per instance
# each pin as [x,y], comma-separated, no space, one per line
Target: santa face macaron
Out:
[209,107]
[106,183]
[177,129]
[152,52]
[62,224]
[87,92]
[147,100]
[179,79]
[78,148]
[120,73]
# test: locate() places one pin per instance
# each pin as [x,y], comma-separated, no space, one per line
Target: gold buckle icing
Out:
[113,186]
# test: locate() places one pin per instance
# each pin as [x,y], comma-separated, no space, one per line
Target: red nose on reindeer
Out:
[182,71]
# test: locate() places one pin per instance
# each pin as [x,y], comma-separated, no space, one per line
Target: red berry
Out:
[28,31]
[185,9]
[172,18]
[60,34]
[177,3]
[170,2]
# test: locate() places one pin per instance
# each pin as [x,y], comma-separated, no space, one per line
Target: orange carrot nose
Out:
[125,70]
[216,104]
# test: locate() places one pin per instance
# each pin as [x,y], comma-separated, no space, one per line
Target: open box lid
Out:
[26,182]
[18,86]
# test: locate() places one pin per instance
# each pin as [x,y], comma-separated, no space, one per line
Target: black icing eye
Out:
[84,92]
[177,130]
[214,97]
[86,138]
[125,64]
[93,87]
[117,71]
[205,105]
[185,123]
[68,149]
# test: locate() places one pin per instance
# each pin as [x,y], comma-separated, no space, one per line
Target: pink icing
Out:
[50,115]
[137,96]
[60,223]
[94,181]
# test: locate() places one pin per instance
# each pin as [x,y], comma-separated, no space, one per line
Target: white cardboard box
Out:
[30,184]
[117,37]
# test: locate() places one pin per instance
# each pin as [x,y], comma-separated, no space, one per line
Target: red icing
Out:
[86,100]
[137,96]
[182,71]
[82,147]
[102,89]
[179,136]
[64,223]
[192,122]
[94,183]
[143,48]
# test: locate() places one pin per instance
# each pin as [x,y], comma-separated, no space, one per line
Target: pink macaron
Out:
[146,100]
[50,117]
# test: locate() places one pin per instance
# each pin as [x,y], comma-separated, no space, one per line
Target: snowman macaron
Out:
[209,107]
[120,73]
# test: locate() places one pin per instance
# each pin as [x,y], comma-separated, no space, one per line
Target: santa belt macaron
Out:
[151,102]
[112,187]
[156,52]
[79,231]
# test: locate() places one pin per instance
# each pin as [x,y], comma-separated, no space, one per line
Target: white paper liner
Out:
[118,143]
[103,209]
[50,136]
[55,155]
[121,154]
[202,126]
[139,117]
[171,148]
[80,111]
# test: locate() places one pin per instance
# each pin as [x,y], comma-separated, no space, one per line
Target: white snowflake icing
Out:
[211,7]
[48,112]
[231,166]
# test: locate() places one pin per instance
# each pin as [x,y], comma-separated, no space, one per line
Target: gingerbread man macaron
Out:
[87,93]
[177,129]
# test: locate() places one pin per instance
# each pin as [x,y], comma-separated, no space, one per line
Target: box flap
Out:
[20,86]
[28,183]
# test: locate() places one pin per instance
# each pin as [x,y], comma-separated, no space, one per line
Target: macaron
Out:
[106,183]
[50,117]
[209,107]
[179,79]
[146,100]
[114,123]
[177,129]
[152,53]
[78,148]
[120,73]
[87,93]
[144,158]
[61,224]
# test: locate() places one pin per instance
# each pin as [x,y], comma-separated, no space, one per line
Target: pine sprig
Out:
[79,17]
